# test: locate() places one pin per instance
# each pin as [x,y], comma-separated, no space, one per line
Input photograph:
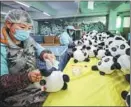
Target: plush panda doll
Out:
[123,62]
[100,53]
[117,47]
[125,94]
[106,65]
[81,54]
[86,42]
[53,80]
[93,33]
[108,41]
[92,51]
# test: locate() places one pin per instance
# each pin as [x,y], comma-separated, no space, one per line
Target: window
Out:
[118,22]
[126,22]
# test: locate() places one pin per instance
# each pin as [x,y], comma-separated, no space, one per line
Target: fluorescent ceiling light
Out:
[91,5]
[3,13]
[22,4]
[46,13]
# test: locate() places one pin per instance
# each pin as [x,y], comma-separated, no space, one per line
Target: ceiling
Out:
[59,9]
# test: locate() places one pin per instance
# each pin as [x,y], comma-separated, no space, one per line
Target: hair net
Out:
[18,16]
[70,27]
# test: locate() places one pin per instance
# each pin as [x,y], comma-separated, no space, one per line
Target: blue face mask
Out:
[22,35]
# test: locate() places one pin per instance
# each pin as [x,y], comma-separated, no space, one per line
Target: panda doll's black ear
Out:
[45,72]
[66,78]
[124,94]
[128,51]
[94,68]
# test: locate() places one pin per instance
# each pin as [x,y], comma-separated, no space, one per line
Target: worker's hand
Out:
[35,76]
[49,56]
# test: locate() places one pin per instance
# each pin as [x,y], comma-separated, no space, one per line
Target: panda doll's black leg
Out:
[87,60]
[124,94]
[94,68]
[102,73]
[65,86]
[75,60]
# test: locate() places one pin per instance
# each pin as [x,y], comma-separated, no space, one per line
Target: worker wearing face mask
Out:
[18,62]
[66,38]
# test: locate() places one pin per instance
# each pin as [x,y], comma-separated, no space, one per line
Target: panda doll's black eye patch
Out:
[107,59]
[99,63]
[122,46]
[113,49]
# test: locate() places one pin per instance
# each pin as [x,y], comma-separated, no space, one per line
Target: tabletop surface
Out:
[89,88]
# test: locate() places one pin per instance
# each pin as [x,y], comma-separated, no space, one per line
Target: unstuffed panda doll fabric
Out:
[80,54]
[53,80]
[106,65]
[123,62]
[125,94]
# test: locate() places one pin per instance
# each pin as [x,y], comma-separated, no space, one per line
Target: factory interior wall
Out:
[57,26]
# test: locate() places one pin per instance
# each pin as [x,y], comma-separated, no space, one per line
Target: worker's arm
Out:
[39,49]
[10,82]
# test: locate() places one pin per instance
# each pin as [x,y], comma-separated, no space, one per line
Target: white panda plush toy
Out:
[106,65]
[122,48]
[86,42]
[100,53]
[108,41]
[80,54]
[93,33]
[117,47]
[92,51]
[53,80]
[123,62]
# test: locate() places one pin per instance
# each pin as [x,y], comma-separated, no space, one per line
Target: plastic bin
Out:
[58,51]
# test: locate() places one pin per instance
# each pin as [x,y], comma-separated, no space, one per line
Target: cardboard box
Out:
[49,39]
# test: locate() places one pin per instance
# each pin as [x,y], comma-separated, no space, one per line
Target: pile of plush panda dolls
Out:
[113,52]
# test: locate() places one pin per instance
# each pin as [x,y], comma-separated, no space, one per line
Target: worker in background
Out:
[18,62]
[66,38]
